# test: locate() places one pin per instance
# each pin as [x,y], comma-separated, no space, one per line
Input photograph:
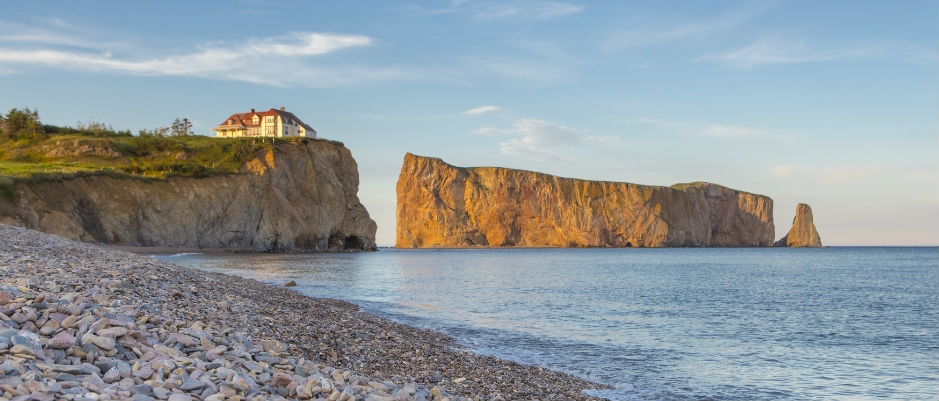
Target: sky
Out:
[834,103]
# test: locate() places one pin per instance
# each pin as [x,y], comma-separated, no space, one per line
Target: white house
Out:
[271,123]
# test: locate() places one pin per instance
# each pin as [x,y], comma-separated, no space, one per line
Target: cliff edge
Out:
[298,196]
[803,233]
[440,205]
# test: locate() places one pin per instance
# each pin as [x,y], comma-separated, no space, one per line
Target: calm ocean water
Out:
[658,324]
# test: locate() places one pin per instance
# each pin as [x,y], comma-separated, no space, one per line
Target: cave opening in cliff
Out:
[352,242]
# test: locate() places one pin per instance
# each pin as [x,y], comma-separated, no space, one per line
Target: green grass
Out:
[65,155]
[686,185]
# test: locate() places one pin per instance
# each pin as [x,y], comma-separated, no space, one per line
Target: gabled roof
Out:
[287,116]
[239,120]
[246,120]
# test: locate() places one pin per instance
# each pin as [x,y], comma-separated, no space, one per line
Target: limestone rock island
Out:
[803,233]
[440,205]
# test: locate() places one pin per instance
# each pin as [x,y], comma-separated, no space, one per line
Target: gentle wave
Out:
[658,324]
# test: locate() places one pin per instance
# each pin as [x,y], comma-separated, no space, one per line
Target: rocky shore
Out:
[81,322]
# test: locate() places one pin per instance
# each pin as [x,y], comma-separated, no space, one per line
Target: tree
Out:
[22,124]
[181,127]
[154,133]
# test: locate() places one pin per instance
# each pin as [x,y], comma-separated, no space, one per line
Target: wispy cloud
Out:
[771,50]
[711,130]
[482,110]
[288,59]
[518,9]
[689,31]
[540,140]
[59,33]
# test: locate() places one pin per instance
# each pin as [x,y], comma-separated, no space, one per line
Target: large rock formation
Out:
[440,205]
[298,196]
[803,233]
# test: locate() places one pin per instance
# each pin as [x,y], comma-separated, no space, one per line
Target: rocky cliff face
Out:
[299,196]
[440,205]
[803,233]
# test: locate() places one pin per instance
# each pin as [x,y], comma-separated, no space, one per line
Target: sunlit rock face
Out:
[298,196]
[440,205]
[803,233]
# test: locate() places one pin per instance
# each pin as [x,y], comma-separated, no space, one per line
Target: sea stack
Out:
[803,233]
[440,205]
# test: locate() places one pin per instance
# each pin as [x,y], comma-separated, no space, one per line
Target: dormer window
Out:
[255,120]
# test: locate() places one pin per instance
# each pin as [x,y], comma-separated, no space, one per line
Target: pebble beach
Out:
[85,322]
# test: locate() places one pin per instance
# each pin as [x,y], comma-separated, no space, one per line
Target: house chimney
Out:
[252,111]
[282,108]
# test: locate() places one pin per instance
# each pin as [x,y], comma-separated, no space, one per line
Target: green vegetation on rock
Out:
[32,151]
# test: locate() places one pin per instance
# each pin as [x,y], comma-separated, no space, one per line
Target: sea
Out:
[835,323]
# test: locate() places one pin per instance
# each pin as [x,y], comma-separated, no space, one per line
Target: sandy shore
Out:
[84,322]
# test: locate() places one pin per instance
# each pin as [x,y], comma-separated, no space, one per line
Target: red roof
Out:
[246,119]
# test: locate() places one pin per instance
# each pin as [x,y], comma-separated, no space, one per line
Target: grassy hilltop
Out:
[30,150]
[154,157]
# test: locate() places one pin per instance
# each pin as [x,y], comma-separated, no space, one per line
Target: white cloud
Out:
[543,134]
[304,44]
[770,51]
[482,110]
[712,130]
[279,61]
[542,140]
[519,148]
[732,132]
[488,131]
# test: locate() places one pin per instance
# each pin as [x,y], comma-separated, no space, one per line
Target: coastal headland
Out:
[440,205]
[79,321]
[285,195]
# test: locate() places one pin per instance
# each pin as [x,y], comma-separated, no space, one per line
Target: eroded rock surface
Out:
[299,196]
[803,233]
[440,205]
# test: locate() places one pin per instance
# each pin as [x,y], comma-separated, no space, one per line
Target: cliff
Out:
[440,205]
[297,196]
[803,233]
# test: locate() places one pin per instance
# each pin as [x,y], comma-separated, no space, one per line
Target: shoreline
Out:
[217,328]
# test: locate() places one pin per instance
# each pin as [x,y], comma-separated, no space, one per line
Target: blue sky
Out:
[829,103]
